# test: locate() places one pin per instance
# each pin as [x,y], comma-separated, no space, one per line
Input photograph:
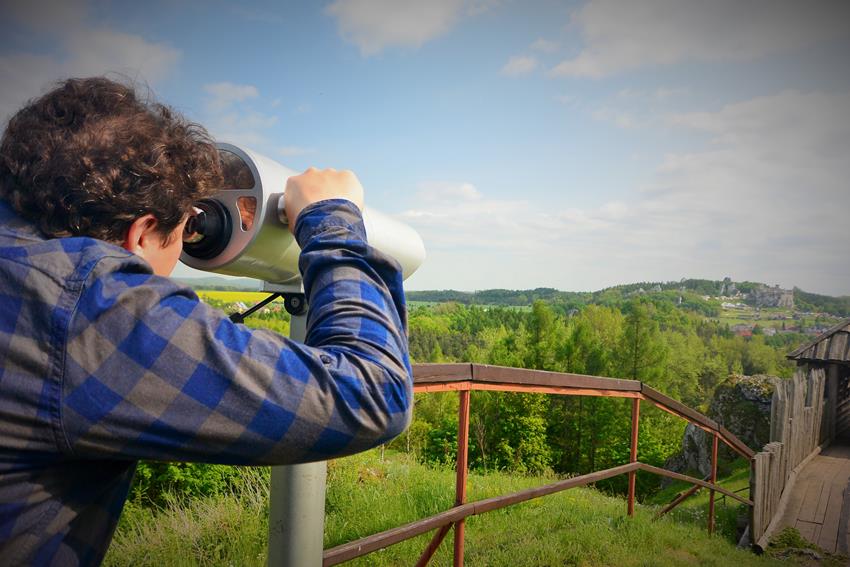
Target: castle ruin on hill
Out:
[765,296]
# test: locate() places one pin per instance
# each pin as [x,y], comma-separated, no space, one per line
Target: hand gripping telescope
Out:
[242,230]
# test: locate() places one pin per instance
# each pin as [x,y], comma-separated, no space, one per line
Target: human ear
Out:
[142,236]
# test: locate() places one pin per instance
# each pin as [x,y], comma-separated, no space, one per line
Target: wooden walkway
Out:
[819,505]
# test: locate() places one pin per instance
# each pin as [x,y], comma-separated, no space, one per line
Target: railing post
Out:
[713,481]
[462,466]
[633,453]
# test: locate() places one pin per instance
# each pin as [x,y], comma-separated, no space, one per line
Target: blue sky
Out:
[573,145]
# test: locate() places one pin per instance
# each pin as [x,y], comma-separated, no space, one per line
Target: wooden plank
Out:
[801,352]
[442,387]
[756,525]
[425,373]
[564,391]
[837,346]
[828,538]
[504,375]
[462,472]
[807,529]
[823,502]
[633,447]
[821,350]
[844,523]
[810,501]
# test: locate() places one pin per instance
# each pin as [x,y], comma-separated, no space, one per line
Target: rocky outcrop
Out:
[764,296]
[741,404]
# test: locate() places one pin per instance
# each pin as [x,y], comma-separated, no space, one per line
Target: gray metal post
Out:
[297,507]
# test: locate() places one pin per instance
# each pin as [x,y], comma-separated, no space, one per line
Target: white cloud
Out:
[765,200]
[620,118]
[84,50]
[242,126]
[768,197]
[374,25]
[545,45]
[225,94]
[659,94]
[447,191]
[519,65]
[620,36]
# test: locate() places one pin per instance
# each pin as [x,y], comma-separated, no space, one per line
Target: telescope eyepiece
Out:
[207,232]
[196,226]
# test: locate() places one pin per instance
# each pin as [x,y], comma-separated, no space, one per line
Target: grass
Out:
[368,494]
[734,477]
[790,545]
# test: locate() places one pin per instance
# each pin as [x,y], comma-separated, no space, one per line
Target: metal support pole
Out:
[462,466]
[633,454]
[713,481]
[297,508]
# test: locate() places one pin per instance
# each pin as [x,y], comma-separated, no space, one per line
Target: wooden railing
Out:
[464,378]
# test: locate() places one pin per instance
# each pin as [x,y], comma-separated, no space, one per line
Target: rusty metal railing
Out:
[466,377]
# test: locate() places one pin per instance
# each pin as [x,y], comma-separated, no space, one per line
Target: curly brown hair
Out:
[90,157]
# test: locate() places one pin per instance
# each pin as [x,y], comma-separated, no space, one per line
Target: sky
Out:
[574,145]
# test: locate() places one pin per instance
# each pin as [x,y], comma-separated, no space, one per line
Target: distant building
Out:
[727,288]
[743,330]
[764,296]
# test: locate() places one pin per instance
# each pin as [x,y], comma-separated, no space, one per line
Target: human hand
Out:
[318,185]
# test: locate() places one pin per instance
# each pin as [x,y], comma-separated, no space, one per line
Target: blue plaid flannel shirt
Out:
[103,363]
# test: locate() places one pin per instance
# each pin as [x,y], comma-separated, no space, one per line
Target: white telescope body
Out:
[243,230]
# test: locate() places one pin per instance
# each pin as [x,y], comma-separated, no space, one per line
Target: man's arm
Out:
[153,373]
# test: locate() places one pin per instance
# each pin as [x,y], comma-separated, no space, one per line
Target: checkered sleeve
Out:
[152,373]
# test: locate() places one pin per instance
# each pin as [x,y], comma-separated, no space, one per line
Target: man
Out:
[103,361]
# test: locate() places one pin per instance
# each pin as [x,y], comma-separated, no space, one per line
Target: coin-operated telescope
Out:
[242,230]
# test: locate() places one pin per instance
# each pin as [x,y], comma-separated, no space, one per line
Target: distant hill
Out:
[691,292]
[824,303]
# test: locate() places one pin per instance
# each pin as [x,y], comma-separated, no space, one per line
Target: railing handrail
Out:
[428,375]
[466,377]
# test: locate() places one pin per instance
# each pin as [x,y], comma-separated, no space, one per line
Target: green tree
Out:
[642,354]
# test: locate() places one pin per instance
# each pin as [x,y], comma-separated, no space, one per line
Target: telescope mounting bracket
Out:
[294,301]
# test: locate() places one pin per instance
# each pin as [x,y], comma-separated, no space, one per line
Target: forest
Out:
[693,288]
[677,349]
[669,340]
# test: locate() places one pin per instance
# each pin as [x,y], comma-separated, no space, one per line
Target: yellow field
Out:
[246,297]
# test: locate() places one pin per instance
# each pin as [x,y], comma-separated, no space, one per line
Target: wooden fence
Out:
[464,378]
[795,424]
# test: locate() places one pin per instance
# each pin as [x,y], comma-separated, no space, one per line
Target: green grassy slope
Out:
[367,494]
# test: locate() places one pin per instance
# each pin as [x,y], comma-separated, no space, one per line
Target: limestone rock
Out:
[741,404]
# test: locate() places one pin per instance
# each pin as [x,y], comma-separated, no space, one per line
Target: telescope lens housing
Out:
[239,230]
[207,232]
